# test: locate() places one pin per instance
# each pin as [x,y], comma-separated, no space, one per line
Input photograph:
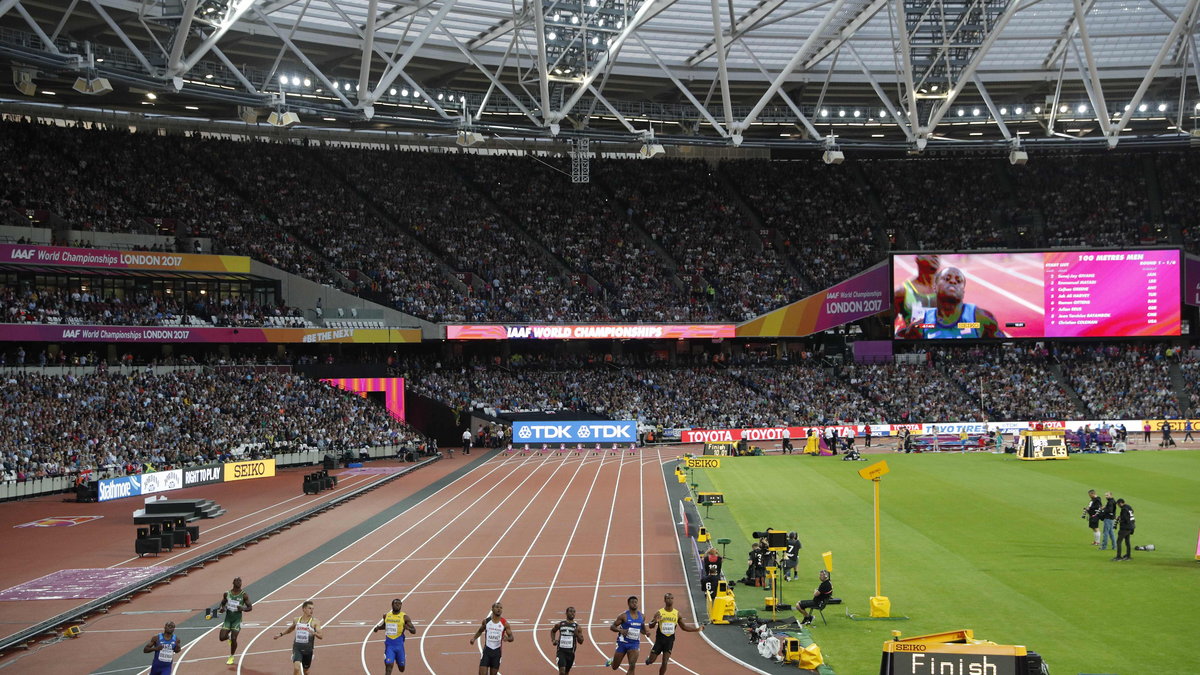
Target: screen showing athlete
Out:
[951,318]
[917,294]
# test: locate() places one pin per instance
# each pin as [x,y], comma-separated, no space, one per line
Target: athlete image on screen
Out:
[952,318]
[917,294]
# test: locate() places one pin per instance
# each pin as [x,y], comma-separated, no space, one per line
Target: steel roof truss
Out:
[791,66]
[888,105]
[304,59]
[968,71]
[720,129]
[393,70]
[494,79]
[112,25]
[812,130]
[1185,19]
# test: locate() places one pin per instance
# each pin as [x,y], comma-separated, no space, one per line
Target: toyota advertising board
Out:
[591,431]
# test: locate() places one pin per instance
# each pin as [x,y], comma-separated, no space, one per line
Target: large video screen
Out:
[1058,294]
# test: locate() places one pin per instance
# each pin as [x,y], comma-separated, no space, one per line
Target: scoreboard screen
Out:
[1057,294]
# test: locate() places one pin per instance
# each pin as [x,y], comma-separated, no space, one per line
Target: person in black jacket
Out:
[1107,516]
[1125,526]
[791,556]
[710,566]
[821,595]
[1092,513]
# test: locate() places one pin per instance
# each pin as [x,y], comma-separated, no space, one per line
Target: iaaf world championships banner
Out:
[60,333]
[108,258]
[646,331]
[865,294]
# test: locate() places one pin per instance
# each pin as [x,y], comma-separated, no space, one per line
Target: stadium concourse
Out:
[535,532]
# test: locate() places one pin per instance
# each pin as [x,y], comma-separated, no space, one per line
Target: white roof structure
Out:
[807,73]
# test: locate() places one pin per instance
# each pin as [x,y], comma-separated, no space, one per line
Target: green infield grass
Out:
[985,542]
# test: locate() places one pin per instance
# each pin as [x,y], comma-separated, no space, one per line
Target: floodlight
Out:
[23,81]
[96,86]
[1018,157]
[285,120]
[651,150]
[469,138]
[833,156]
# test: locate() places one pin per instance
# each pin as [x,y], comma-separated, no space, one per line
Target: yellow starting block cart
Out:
[723,606]
[957,652]
[1042,444]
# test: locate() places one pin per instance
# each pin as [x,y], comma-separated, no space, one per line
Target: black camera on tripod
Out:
[776,539]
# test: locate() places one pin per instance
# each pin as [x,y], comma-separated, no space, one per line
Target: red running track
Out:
[537,533]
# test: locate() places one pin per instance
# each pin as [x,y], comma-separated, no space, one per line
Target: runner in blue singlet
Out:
[629,626]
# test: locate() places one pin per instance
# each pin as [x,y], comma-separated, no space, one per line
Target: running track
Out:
[536,532]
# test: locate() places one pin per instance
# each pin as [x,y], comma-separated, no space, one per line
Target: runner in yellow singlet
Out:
[665,621]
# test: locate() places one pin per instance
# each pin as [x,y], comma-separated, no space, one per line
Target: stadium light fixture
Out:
[1081,109]
[283,119]
[824,112]
[1142,108]
[1063,108]
[975,112]
[1162,107]
[1004,111]
[94,86]
[1037,110]
[1018,110]
[841,113]
[961,112]
[468,138]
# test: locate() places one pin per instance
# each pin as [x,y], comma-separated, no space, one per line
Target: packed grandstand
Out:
[450,237]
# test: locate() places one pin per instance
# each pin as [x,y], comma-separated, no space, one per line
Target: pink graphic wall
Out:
[392,387]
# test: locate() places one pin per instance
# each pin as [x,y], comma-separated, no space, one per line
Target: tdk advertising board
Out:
[591,431]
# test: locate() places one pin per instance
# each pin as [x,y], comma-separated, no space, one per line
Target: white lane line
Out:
[493,468]
[554,580]
[512,523]
[461,513]
[1012,272]
[600,570]
[675,537]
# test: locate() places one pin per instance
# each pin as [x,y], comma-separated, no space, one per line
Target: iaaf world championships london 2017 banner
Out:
[865,294]
[108,258]
[61,333]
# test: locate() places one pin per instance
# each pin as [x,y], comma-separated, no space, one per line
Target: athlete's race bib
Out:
[633,634]
[392,630]
[566,641]
[166,654]
[303,633]
[667,627]
[232,605]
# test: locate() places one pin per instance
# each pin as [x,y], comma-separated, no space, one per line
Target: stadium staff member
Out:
[1092,512]
[712,572]
[1125,526]
[821,595]
[791,556]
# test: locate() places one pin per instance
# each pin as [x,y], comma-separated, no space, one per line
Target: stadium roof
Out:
[802,73]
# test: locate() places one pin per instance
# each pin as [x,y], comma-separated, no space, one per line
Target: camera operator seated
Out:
[756,569]
[821,595]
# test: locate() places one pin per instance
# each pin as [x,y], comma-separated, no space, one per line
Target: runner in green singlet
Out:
[233,603]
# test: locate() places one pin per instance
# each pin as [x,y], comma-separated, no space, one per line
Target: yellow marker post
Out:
[880,605]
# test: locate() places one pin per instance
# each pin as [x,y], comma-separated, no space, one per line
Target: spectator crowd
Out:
[113,423]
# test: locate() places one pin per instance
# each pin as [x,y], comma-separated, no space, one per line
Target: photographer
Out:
[791,557]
